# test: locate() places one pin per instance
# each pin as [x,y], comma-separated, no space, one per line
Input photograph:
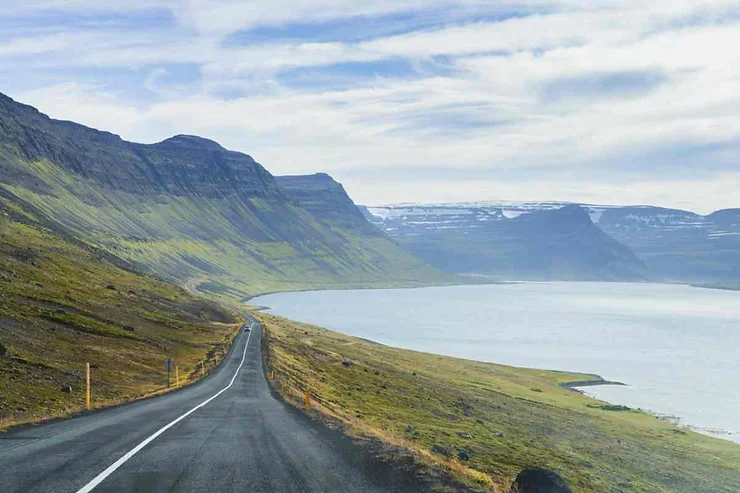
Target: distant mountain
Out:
[675,245]
[190,210]
[678,245]
[544,242]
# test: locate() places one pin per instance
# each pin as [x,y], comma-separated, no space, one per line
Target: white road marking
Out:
[112,468]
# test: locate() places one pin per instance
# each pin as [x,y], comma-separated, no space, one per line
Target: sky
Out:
[601,101]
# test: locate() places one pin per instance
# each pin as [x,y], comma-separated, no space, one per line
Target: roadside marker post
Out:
[177,378]
[89,487]
[308,399]
[168,367]
[87,386]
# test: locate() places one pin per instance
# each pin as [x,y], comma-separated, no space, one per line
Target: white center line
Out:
[112,468]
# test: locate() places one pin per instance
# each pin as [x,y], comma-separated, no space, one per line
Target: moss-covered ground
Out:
[484,422]
[64,304]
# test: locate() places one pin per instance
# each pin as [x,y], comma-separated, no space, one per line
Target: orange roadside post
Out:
[87,386]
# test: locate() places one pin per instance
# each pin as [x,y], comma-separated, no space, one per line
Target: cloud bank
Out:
[410,100]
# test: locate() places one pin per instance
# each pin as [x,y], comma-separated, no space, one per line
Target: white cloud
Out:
[635,82]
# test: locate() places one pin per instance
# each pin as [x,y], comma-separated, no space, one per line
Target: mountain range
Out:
[193,212]
[634,242]
[189,210]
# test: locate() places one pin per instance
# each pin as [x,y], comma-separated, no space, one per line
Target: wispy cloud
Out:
[407,99]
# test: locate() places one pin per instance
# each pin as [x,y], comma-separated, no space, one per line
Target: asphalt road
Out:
[242,440]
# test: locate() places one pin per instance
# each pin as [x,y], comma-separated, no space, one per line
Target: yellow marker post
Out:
[87,386]
[203,370]
[272,375]
[308,399]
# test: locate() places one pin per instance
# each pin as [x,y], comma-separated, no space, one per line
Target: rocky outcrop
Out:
[187,164]
[180,165]
[538,480]
[326,199]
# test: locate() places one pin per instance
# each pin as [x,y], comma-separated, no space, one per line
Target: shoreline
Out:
[497,418]
[581,386]
[732,436]
[574,386]
[598,380]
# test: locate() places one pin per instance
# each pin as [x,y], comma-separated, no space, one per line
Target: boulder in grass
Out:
[441,450]
[539,480]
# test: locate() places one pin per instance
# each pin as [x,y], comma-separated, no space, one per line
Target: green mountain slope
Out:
[188,209]
[63,304]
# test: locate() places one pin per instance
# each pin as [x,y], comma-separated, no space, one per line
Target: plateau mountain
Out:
[674,245]
[189,210]
[548,242]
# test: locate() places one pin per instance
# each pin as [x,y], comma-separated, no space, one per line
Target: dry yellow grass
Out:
[63,305]
[504,418]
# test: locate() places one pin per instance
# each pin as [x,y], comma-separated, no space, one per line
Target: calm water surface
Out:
[677,347]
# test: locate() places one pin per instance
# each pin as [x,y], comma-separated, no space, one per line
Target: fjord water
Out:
[677,347]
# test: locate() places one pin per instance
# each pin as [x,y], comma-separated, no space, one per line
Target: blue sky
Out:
[409,100]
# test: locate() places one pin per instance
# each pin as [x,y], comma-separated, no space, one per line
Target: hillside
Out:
[63,304]
[551,242]
[191,211]
[481,423]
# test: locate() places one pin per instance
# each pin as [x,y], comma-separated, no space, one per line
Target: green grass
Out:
[506,418]
[63,304]
[247,245]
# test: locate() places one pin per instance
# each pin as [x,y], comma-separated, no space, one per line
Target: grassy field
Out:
[481,423]
[63,304]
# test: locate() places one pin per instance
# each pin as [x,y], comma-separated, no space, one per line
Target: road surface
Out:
[242,440]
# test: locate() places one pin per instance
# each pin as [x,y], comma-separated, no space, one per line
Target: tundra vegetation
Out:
[479,424]
[64,304]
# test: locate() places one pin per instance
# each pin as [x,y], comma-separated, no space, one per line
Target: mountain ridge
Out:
[187,208]
[676,245]
[557,242]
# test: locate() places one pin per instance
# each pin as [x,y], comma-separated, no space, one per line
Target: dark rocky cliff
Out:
[326,199]
[179,165]
[189,164]
[187,208]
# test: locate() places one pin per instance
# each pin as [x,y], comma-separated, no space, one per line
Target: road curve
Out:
[242,440]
